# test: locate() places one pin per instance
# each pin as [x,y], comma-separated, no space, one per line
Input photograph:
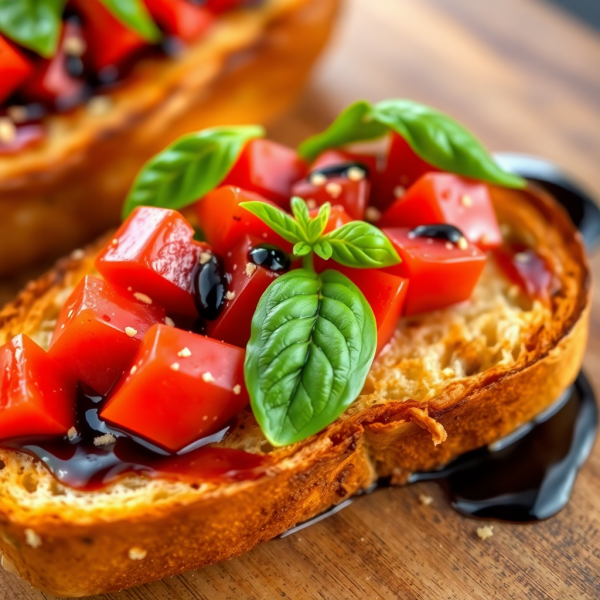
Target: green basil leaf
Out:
[278,220]
[361,245]
[323,249]
[34,24]
[300,211]
[432,135]
[318,224]
[354,124]
[301,249]
[135,16]
[189,168]
[313,341]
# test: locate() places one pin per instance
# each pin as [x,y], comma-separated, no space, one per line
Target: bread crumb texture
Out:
[485,532]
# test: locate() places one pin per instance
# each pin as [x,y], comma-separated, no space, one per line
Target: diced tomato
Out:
[14,69]
[98,331]
[181,18]
[351,194]
[385,293]
[247,285]
[337,217]
[402,168]
[51,81]
[221,6]
[224,222]
[440,273]
[37,395]
[331,158]
[184,387]
[446,198]
[269,169]
[109,42]
[153,252]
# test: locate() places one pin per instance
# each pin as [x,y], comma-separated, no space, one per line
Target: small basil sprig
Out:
[34,24]
[313,335]
[134,15]
[189,168]
[432,135]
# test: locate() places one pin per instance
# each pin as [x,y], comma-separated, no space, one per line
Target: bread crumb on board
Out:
[485,532]
[425,500]
[32,538]
[136,553]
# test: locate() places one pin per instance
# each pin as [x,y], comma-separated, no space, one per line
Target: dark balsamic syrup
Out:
[340,170]
[270,257]
[440,231]
[210,286]
[80,464]
[528,476]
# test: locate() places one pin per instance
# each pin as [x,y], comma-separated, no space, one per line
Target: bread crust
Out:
[68,190]
[376,437]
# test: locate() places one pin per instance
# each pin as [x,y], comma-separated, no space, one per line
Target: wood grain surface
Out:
[526,78]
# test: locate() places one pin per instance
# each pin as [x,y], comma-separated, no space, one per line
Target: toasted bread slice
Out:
[449,382]
[69,189]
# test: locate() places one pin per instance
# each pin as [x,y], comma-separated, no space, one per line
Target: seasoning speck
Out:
[105,440]
[356,174]
[229,295]
[142,298]
[462,243]
[318,179]
[204,257]
[466,201]
[8,130]
[175,366]
[32,538]
[237,389]
[184,353]
[334,189]
[130,331]
[207,377]
[169,322]
[372,214]
[250,269]
[72,434]
[425,500]
[137,553]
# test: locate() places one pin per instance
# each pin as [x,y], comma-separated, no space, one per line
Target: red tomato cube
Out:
[180,18]
[352,195]
[51,82]
[268,169]
[440,273]
[98,331]
[109,42]
[224,222]
[182,387]
[445,198]
[386,293]
[248,282]
[14,69]
[154,253]
[37,394]
[402,168]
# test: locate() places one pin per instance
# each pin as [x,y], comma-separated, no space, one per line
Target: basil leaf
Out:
[278,220]
[312,344]
[34,24]
[318,224]
[323,249]
[301,249]
[354,124]
[135,16]
[361,245]
[189,168]
[432,135]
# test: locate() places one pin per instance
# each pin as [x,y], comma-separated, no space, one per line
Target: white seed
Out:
[169,322]
[356,174]
[207,377]
[184,353]
[334,189]
[142,298]
[237,389]
[175,366]
[229,295]
[8,131]
[130,331]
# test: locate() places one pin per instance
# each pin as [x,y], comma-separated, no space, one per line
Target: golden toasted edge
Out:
[387,440]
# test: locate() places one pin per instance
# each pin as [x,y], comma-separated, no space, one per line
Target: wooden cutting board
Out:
[526,78]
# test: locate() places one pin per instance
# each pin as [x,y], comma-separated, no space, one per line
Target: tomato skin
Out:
[386,294]
[90,338]
[353,196]
[14,69]
[180,18]
[174,406]
[446,198]
[224,222]
[109,42]
[234,322]
[401,170]
[439,276]
[37,395]
[51,82]
[269,169]
[154,254]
